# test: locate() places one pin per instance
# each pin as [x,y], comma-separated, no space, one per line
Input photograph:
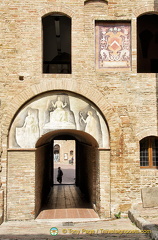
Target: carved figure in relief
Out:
[30,123]
[27,135]
[59,114]
[91,123]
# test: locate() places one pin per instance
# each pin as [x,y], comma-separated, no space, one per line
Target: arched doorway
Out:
[56,115]
[85,175]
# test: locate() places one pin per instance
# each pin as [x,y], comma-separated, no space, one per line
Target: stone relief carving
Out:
[60,115]
[27,135]
[89,122]
[56,111]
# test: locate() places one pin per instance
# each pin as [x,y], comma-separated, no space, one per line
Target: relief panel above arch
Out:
[57,111]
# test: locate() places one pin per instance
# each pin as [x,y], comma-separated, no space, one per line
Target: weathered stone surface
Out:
[125,207]
[150,197]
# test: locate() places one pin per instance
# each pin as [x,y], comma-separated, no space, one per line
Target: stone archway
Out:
[29,140]
[86,167]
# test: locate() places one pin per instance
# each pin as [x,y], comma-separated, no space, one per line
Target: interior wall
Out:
[21,185]
[43,175]
[86,173]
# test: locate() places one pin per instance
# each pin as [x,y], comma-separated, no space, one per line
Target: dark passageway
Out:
[66,201]
[75,200]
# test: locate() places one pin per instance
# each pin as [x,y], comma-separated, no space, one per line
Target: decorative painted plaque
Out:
[113,46]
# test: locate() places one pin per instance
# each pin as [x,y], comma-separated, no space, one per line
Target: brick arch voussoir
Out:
[56,8]
[64,85]
[144,9]
[15,104]
[146,133]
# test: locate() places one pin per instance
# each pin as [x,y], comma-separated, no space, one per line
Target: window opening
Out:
[56,44]
[149,152]
[155,152]
[147,43]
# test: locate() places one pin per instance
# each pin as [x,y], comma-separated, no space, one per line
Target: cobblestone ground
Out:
[121,229]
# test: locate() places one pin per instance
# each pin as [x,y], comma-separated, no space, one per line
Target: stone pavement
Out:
[66,201]
[82,227]
[149,214]
[121,229]
[145,218]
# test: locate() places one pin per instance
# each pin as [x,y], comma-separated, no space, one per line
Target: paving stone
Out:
[41,230]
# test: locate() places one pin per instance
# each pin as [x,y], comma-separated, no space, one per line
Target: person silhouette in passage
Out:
[59,176]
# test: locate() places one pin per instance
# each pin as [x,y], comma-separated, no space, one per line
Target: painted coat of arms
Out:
[113,45]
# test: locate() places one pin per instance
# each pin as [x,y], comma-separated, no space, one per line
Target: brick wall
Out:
[104,183]
[126,99]
[149,178]
[21,185]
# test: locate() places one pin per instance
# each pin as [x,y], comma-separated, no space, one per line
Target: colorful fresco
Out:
[113,45]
